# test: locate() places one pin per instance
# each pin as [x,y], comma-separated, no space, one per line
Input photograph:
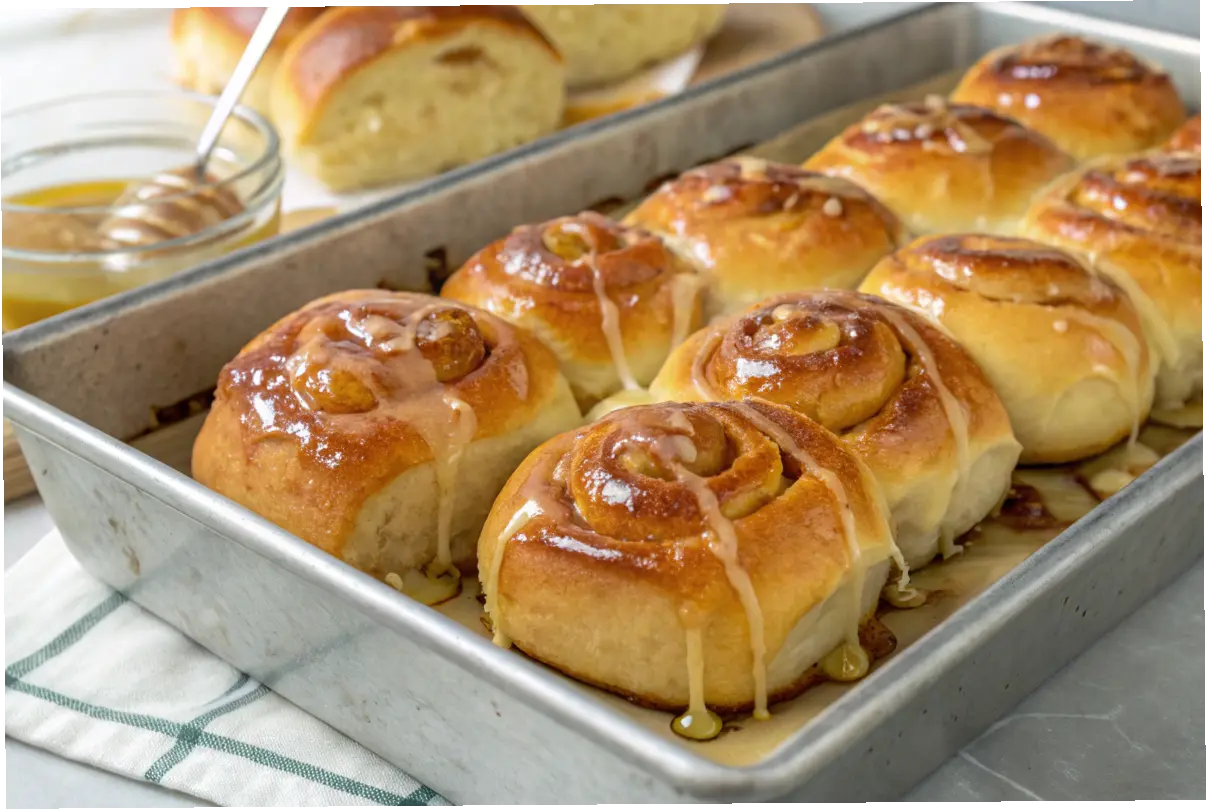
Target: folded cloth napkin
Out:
[92,677]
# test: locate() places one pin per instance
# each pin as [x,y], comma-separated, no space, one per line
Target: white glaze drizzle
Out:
[951,406]
[610,316]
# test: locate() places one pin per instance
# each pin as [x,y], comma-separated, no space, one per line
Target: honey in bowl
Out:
[101,197]
[71,244]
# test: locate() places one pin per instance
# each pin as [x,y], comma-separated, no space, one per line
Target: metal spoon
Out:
[257,46]
[161,208]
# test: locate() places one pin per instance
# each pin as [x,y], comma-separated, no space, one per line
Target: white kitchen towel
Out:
[92,677]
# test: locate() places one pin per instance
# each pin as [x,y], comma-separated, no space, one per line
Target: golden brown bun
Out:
[1139,220]
[1062,345]
[945,167]
[208,43]
[373,95]
[337,422]
[605,548]
[1189,137]
[900,392]
[604,43]
[757,228]
[1091,99]
[611,301]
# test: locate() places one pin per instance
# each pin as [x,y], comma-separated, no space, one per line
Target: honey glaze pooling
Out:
[349,381]
[674,449]
[849,661]
[698,723]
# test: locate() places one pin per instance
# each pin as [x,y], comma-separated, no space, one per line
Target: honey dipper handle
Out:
[257,46]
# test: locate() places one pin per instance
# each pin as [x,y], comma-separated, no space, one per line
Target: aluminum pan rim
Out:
[801,754]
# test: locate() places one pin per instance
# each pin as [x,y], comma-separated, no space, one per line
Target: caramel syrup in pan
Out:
[1042,503]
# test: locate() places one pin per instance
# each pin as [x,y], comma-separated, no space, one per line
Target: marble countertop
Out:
[1123,722]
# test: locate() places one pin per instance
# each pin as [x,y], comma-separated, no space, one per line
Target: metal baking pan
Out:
[422,689]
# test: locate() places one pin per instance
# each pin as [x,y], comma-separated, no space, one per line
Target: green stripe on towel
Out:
[187,738]
[66,639]
[419,797]
[191,735]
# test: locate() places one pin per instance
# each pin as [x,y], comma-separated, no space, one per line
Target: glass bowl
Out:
[65,163]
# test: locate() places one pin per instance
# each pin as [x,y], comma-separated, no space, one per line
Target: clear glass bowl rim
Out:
[269,155]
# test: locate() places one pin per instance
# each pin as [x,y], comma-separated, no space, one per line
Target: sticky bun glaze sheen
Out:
[379,426]
[945,167]
[1091,99]
[1062,345]
[611,301]
[683,554]
[756,228]
[901,393]
[1139,221]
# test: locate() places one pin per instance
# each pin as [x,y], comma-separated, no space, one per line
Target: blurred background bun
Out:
[375,95]
[603,43]
[208,42]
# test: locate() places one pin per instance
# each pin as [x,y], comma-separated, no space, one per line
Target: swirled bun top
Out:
[904,395]
[1139,220]
[1189,137]
[1091,99]
[757,228]
[325,412]
[1062,345]
[945,167]
[612,543]
[610,300]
